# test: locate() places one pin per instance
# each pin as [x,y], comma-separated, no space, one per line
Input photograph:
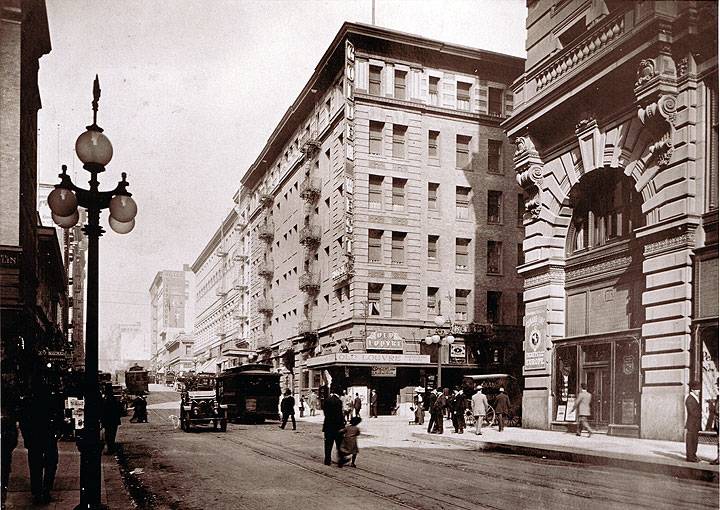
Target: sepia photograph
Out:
[359,254]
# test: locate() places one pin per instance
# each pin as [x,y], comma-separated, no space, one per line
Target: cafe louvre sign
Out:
[384,341]
[368,358]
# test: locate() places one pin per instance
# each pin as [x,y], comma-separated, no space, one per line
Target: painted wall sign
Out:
[535,341]
[368,358]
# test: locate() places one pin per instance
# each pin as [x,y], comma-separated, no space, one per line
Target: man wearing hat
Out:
[582,405]
[693,422]
[502,408]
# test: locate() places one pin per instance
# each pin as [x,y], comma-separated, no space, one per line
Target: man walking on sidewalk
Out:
[357,404]
[502,408]
[479,409]
[332,425]
[582,405]
[373,404]
[287,408]
[693,422]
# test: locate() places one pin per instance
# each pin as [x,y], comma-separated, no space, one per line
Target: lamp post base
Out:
[90,473]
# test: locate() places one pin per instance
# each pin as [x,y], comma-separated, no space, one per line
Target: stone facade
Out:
[616,133]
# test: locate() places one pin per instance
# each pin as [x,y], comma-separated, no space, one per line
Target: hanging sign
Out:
[383,371]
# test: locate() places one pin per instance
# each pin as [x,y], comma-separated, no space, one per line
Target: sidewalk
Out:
[66,492]
[654,456]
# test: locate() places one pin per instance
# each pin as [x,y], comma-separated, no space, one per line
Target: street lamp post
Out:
[95,151]
[439,339]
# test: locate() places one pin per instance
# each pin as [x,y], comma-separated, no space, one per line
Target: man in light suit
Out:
[582,405]
[693,422]
[479,409]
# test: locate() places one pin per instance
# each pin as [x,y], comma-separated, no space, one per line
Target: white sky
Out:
[191,90]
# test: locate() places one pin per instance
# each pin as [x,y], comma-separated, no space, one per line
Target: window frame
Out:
[375,85]
[491,204]
[375,190]
[402,90]
[462,152]
[375,138]
[375,246]
[497,156]
[399,144]
[463,103]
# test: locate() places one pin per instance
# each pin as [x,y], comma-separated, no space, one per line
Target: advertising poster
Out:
[570,414]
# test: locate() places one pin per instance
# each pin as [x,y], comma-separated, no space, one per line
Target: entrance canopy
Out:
[369,359]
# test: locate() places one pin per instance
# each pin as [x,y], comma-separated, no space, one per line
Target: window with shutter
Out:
[398,148]
[375,80]
[463,96]
[398,247]
[432,195]
[433,86]
[374,296]
[376,135]
[494,156]
[461,304]
[433,137]
[462,203]
[494,207]
[398,192]
[432,301]
[432,247]
[400,79]
[375,246]
[397,297]
[494,257]
[462,151]
[495,101]
[375,183]
[462,248]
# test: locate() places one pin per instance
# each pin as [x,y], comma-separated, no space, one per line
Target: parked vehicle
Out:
[490,385]
[136,380]
[201,407]
[251,393]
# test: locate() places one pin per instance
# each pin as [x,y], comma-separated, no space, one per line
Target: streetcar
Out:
[251,393]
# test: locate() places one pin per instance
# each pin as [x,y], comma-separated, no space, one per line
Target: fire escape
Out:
[310,237]
[265,269]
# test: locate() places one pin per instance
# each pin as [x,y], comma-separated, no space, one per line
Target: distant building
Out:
[74,245]
[616,125]
[128,344]
[384,197]
[172,295]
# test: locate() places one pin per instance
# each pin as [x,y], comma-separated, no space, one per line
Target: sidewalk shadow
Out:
[670,455]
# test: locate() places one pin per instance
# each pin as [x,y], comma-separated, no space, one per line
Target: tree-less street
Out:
[261,466]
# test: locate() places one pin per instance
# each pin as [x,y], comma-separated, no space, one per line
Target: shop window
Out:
[566,382]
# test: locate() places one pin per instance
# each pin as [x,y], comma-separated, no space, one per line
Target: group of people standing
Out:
[339,432]
[456,405]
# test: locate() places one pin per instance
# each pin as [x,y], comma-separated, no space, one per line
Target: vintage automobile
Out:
[201,407]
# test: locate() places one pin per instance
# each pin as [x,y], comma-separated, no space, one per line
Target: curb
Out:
[679,469]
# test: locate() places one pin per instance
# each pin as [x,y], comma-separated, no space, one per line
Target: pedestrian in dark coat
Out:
[502,408]
[287,408]
[459,405]
[41,425]
[357,404]
[332,424]
[693,422]
[302,406]
[373,404]
[437,415]
[110,417]
[139,410]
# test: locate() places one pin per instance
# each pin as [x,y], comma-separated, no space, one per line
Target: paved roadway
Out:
[263,467]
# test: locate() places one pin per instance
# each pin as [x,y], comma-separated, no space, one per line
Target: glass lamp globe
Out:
[123,208]
[435,339]
[428,340]
[62,202]
[121,227]
[449,339]
[66,221]
[439,320]
[94,147]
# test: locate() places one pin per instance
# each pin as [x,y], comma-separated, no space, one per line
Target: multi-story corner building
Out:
[24,319]
[616,125]
[385,197]
[172,308]
[221,312]
[74,246]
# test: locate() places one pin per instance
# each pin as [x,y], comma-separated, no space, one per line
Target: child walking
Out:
[349,442]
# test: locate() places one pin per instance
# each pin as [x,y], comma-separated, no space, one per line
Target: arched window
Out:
[606,208]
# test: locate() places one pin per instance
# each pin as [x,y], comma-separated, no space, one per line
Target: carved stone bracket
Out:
[529,168]
[659,118]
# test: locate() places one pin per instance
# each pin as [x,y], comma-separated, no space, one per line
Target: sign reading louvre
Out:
[384,340]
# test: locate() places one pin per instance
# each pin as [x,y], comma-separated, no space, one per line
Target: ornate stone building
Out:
[616,127]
